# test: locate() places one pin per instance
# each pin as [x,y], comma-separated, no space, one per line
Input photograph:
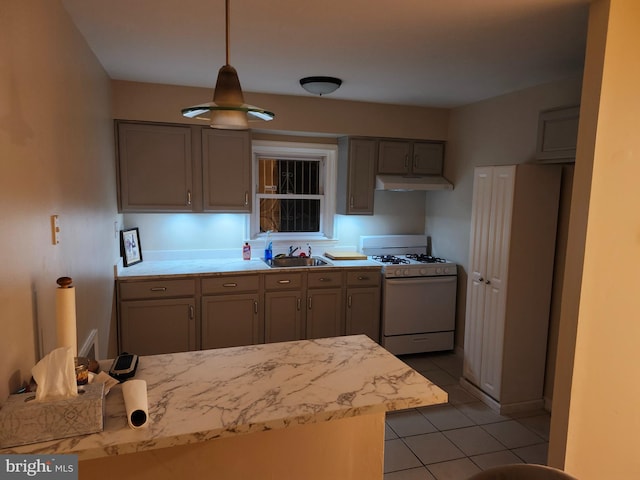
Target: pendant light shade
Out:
[228,110]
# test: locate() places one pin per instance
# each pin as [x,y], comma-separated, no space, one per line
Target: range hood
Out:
[402,183]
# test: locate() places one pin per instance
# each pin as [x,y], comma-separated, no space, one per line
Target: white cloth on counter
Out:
[55,376]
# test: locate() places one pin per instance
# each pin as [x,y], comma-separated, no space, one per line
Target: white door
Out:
[489,249]
[479,240]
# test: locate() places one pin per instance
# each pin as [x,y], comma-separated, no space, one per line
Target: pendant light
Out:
[228,110]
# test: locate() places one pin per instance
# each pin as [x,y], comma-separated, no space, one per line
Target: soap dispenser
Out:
[268,247]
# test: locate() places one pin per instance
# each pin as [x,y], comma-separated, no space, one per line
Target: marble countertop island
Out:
[199,396]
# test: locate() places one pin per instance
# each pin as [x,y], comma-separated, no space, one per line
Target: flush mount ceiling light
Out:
[228,110]
[320,85]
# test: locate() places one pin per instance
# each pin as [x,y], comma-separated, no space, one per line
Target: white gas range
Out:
[418,293]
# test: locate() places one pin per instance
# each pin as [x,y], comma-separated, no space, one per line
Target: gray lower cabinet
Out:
[157,317]
[231,311]
[226,310]
[283,310]
[363,303]
[325,308]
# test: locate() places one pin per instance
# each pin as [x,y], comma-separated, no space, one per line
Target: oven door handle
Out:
[423,280]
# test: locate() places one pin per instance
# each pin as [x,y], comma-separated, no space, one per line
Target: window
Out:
[294,193]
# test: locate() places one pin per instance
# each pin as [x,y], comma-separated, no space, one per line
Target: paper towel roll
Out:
[136,403]
[66,315]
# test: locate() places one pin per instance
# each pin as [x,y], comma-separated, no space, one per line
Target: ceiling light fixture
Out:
[320,85]
[228,110]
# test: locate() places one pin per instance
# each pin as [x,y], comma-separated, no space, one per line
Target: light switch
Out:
[55,229]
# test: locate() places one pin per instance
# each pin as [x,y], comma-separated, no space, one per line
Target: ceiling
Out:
[440,53]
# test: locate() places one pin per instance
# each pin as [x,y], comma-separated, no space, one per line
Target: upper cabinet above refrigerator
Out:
[557,135]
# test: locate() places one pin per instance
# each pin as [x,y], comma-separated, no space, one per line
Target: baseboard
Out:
[501,408]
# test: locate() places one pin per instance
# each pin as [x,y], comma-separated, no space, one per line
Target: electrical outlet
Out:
[55,229]
[116,230]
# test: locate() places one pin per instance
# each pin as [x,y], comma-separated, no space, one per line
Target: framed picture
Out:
[130,247]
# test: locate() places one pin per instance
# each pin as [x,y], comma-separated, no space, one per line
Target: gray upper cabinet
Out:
[155,167]
[404,157]
[181,168]
[356,175]
[557,135]
[226,166]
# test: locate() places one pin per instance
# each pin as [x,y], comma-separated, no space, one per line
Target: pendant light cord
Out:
[226,15]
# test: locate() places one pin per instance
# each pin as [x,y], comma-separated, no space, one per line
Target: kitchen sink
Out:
[297,262]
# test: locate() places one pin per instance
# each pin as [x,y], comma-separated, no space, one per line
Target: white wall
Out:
[56,157]
[602,328]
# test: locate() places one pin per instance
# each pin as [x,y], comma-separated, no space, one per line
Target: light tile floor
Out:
[455,440]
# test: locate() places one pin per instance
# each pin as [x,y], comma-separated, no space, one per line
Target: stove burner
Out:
[390,259]
[422,258]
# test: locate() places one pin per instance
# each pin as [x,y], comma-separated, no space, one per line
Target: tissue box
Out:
[23,420]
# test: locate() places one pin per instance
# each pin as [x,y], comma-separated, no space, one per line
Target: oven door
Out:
[419,305]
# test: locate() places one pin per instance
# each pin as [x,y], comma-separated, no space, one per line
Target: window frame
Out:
[328,155]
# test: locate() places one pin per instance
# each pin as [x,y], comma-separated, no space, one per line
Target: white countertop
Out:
[203,395]
[159,268]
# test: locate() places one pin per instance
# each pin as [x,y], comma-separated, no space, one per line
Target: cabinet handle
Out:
[255,307]
[246,198]
[349,301]
[323,279]
[158,289]
[415,161]
[360,277]
[284,282]
[298,302]
[406,161]
[351,201]
[309,303]
[189,197]
[231,285]
[481,279]
[488,282]
[192,314]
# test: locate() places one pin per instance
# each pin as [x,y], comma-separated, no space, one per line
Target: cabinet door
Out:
[151,327]
[394,156]
[325,313]
[502,190]
[428,158]
[231,321]
[155,168]
[558,134]
[361,176]
[479,243]
[283,320]
[363,312]
[226,166]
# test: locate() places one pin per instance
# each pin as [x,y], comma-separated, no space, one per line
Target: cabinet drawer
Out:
[157,289]
[230,284]
[368,278]
[282,281]
[324,279]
